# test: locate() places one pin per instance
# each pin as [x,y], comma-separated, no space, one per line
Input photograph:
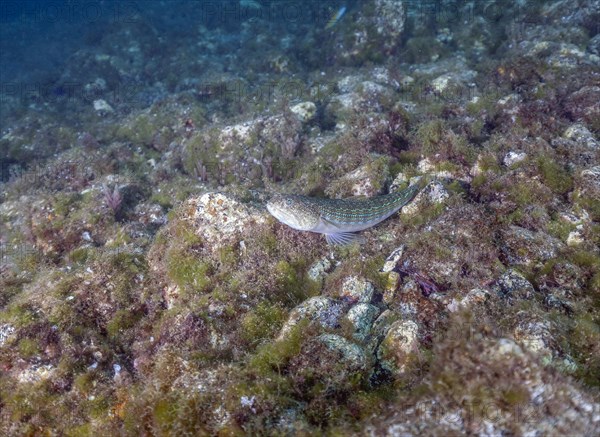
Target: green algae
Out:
[269,358]
[554,176]
[188,273]
[122,321]
[262,323]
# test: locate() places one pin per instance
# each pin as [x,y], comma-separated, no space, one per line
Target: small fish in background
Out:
[336,17]
[250,4]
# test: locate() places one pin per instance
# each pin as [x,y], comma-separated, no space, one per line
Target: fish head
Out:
[295,211]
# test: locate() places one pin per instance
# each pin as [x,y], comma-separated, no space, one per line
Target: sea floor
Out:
[146,290]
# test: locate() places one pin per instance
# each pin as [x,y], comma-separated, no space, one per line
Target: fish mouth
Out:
[276,212]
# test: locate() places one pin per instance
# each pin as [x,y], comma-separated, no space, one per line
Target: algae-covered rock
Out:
[356,290]
[591,181]
[362,97]
[362,316]
[526,248]
[221,218]
[325,311]
[399,346]
[534,336]
[434,193]
[318,270]
[351,354]
[513,284]
[581,135]
[305,111]
[367,180]
[472,298]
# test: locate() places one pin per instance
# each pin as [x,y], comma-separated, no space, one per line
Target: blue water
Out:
[38,37]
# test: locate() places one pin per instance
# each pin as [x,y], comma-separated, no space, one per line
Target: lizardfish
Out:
[336,17]
[338,219]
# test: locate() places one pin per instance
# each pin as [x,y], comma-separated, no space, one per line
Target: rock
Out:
[535,337]
[473,297]
[367,180]
[433,193]
[575,238]
[380,328]
[102,107]
[590,181]
[392,260]
[581,134]
[318,270]
[584,105]
[323,310]
[305,111]
[504,347]
[398,181]
[150,215]
[563,278]
[357,290]
[398,347]
[455,84]
[221,218]
[391,285]
[243,132]
[513,284]
[594,45]
[351,354]
[362,316]
[365,97]
[512,158]
[528,248]
[6,331]
[577,410]
[389,21]
[284,131]
[36,373]
[379,24]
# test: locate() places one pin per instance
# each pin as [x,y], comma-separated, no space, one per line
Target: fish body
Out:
[337,219]
[336,17]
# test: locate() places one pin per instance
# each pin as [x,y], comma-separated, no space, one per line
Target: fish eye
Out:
[288,202]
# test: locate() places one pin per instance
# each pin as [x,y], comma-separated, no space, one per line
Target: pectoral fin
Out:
[341,238]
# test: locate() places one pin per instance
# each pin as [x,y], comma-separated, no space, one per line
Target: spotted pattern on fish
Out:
[337,218]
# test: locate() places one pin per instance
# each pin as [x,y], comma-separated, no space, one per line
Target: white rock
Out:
[440,83]
[6,331]
[512,158]
[36,373]
[392,260]
[505,346]
[473,297]
[101,106]
[575,238]
[305,111]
